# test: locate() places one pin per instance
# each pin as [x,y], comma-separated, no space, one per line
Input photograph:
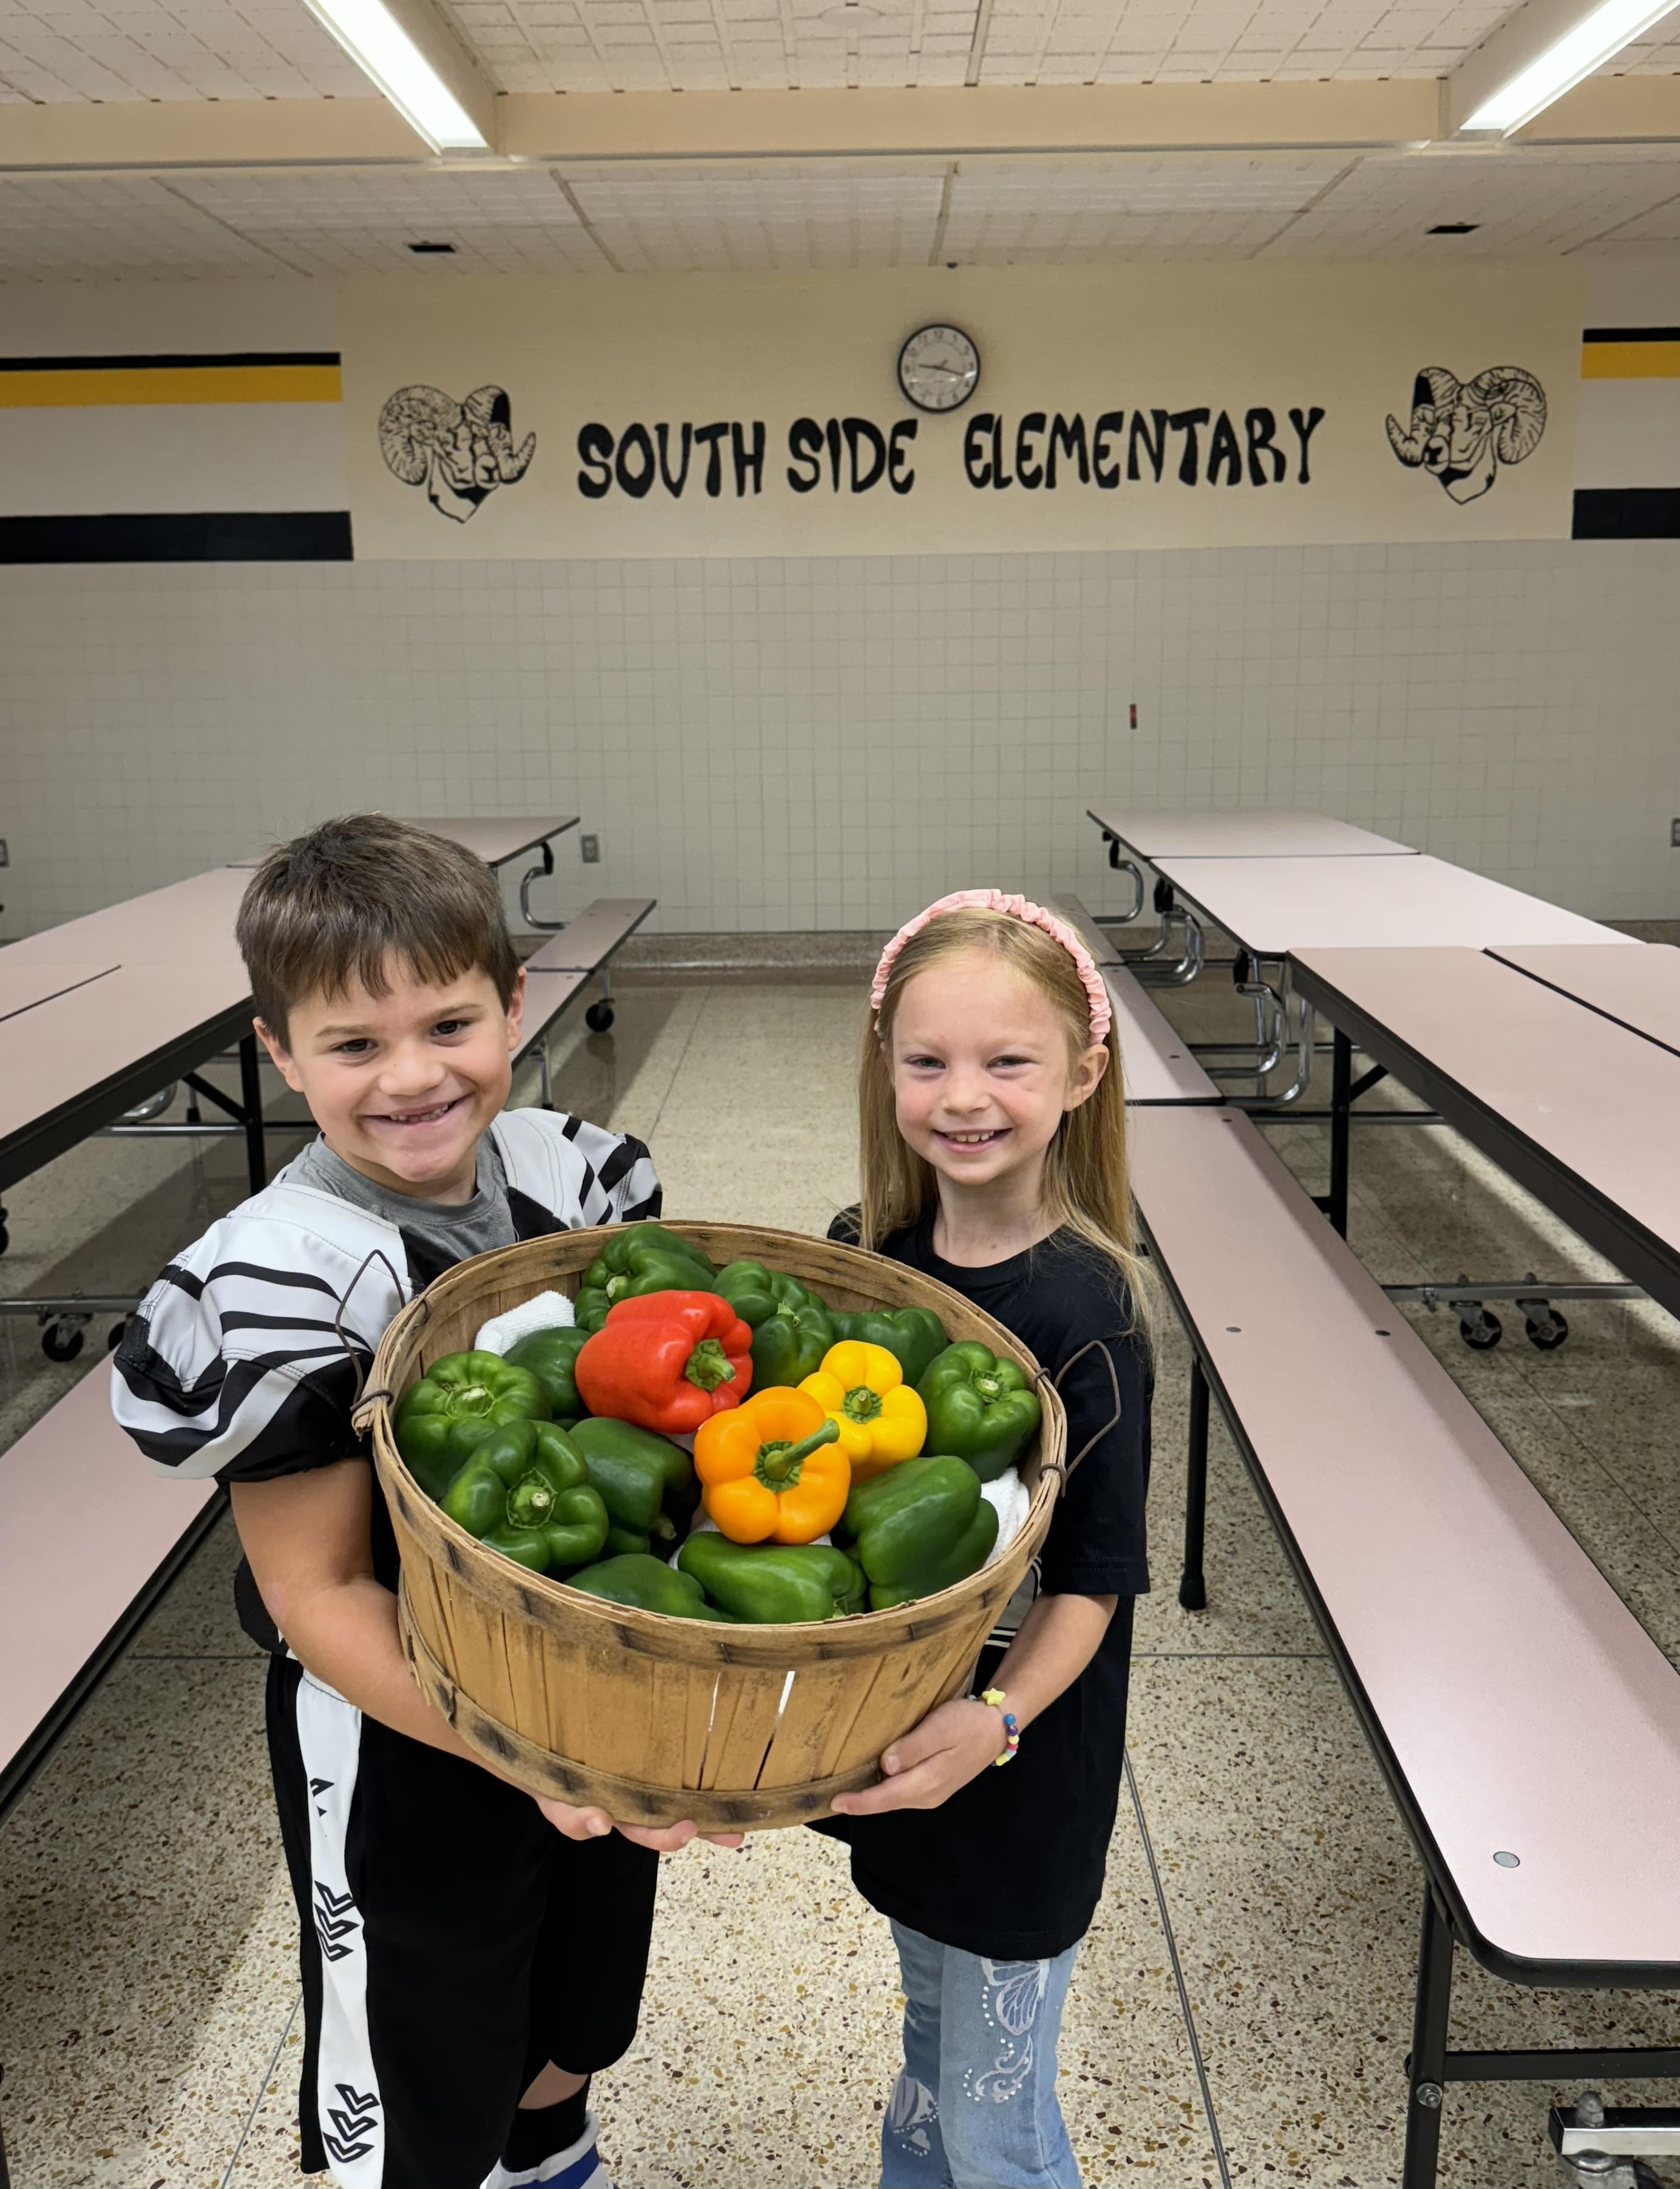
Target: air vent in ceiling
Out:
[433,249]
[1441,228]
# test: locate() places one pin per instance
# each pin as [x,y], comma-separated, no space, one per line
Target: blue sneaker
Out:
[578,2167]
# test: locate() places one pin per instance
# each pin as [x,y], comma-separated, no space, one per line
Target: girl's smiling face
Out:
[981,1070]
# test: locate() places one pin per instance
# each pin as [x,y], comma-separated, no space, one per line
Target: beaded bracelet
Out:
[995,1698]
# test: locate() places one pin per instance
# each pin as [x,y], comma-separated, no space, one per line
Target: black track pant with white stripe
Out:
[452,1942]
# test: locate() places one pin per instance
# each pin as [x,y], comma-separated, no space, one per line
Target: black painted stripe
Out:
[1610,335]
[287,535]
[1627,512]
[171,362]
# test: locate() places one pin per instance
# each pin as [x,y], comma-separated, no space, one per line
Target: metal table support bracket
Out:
[546,866]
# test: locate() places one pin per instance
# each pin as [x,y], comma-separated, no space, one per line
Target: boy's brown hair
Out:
[341,903]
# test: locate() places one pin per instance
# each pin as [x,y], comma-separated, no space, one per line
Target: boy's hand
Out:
[595,1823]
[950,1746]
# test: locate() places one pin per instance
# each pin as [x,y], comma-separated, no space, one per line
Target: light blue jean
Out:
[975,2105]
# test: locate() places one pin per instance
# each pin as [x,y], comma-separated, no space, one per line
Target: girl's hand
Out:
[575,1823]
[950,1746]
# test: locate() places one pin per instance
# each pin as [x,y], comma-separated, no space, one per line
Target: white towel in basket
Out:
[1012,1498]
[545,1311]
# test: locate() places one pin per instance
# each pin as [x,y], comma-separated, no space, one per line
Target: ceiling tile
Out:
[503,220]
[1535,199]
[129,49]
[706,218]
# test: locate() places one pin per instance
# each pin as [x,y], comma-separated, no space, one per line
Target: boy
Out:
[469,1954]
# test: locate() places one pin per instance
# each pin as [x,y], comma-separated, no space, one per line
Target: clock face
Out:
[939,368]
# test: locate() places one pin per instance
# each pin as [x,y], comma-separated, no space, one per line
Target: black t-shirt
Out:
[1012,1865]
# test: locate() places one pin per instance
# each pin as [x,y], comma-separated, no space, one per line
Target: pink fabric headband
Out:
[1018,908]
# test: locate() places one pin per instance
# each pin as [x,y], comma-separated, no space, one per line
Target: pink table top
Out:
[1602,1101]
[186,920]
[1639,989]
[1276,906]
[63,1048]
[26,984]
[497,838]
[57,1604]
[1476,1624]
[1284,834]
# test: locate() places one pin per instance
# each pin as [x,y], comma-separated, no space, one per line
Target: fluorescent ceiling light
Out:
[1596,39]
[379,45]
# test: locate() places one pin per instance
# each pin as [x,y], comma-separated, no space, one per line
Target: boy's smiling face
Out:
[404,1085]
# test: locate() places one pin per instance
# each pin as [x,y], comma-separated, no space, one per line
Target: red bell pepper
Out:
[667,1361]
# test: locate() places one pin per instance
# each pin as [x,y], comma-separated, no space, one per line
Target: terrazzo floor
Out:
[1242,2006]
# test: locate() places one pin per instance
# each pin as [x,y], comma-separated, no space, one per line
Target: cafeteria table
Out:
[1280,834]
[1273,835]
[23,987]
[1582,1111]
[1274,907]
[1638,988]
[497,839]
[131,997]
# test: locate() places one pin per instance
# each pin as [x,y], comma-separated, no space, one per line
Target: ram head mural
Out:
[1462,431]
[461,451]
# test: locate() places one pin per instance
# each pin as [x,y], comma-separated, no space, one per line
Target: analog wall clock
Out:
[939,368]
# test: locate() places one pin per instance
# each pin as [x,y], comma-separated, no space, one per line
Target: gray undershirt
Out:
[457,1230]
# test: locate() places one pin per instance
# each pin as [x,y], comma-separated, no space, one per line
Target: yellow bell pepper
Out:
[881,1420]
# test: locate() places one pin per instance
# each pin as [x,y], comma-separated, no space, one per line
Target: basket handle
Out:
[1042,1376]
[359,1352]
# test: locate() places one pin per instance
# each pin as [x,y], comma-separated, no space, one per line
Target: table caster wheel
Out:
[1482,1335]
[115,1334]
[60,1341]
[1547,1331]
[598,1017]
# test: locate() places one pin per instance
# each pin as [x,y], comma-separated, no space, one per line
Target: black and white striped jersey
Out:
[244,1358]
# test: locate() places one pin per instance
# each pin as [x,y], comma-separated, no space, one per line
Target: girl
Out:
[993,1159]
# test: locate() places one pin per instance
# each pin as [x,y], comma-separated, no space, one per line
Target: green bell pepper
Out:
[773,1584]
[649,1585]
[442,1418]
[921,1526]
[646,1483]
[642,1258]
[915,1336]
[523,1492]
[552,1356]
[980,1407]
[791,1327]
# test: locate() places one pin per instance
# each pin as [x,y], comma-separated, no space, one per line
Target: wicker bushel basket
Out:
[657,1719]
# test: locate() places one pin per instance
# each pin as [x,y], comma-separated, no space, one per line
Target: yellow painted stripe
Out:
[171,383]
[1630,360]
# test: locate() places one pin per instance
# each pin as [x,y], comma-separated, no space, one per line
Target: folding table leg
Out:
[1426,2069]
[251,1100]
[1192,1584]
[1341,1116]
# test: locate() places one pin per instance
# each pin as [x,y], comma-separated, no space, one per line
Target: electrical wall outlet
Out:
[1673,838]
[589,849]
[6,862]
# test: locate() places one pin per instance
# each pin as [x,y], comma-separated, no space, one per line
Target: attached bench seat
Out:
[587,943]
[89,1537]
[1476,1638]
[555,974]
[1154,1056]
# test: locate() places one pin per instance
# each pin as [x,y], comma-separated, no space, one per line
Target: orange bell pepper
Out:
[771,1469]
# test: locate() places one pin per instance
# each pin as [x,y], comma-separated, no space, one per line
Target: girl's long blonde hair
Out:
[1086,1188]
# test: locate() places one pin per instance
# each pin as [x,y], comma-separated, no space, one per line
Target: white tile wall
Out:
[830,744]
